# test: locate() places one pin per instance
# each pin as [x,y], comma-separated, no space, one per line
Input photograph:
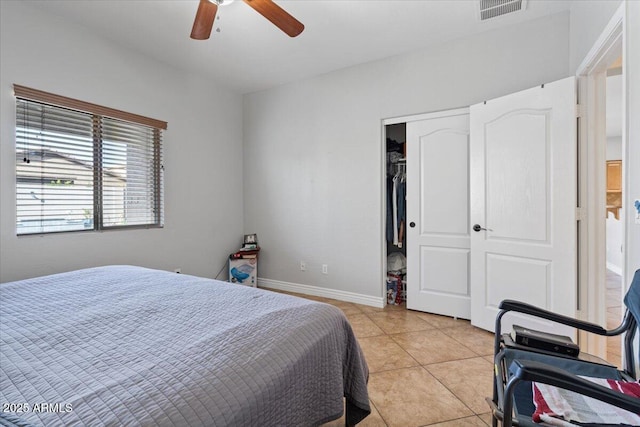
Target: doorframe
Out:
[591,77]
[383,180]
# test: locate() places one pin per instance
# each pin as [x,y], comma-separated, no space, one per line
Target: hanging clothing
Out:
[395,210]
[389,209]
[401,202]
[396,205]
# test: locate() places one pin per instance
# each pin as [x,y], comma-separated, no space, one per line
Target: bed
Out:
[125,345]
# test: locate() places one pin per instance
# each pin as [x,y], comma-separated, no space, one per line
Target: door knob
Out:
[412,224]
[477,228]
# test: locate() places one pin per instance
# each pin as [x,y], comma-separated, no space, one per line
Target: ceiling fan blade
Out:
[203,23]
[277,15]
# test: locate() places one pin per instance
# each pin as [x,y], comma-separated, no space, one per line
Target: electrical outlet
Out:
[303,266]
[177,270]
[325,269]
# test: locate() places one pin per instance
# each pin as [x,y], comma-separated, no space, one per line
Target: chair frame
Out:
[526,370]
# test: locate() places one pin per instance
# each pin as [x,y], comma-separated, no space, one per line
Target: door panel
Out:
[517,176]
[445,196]
[523,193]
[438,204]
[447,266]
[533,283]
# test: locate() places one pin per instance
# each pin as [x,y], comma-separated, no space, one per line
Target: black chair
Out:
[516,367]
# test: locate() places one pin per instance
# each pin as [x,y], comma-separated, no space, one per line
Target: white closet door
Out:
[523,195]
[438,214]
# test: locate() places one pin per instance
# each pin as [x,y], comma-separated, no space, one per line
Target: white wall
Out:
[313,153]
[632,84]
[614,148]
[587,20]
[203,149]
[615,240]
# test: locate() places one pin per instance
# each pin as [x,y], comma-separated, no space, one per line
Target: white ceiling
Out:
[251,54]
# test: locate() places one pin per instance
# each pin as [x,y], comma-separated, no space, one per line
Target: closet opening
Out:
[425,235]
[396,214]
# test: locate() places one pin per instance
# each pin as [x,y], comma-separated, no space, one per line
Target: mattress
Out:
[124,345]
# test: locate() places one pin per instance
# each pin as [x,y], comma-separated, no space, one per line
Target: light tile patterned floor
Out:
[430,370]
[425,370]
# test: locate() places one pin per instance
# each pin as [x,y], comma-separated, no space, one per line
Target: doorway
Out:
[395,213]
[596,236]
[597,203]
[614,228]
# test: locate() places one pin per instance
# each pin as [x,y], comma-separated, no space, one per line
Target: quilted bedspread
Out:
[124,346]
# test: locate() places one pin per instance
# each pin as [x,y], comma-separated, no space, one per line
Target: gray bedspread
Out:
[125,345]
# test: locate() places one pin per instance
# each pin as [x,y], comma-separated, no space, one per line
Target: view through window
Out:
[76,170]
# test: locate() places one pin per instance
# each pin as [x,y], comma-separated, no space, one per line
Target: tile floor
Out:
[430,370]
[425,369]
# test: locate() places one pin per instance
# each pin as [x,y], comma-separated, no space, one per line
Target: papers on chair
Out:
[560,407]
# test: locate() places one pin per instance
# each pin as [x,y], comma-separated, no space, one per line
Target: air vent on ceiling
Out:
[493,8]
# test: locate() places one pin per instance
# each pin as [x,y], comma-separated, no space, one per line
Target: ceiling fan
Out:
[207,10]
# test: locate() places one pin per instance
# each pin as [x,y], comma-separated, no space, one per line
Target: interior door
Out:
[438,214]
[523,204]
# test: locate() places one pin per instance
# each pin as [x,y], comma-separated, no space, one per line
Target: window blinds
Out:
[131,188]
[78,170]
[54,169]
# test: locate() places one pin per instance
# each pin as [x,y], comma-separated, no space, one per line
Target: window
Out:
[80,166]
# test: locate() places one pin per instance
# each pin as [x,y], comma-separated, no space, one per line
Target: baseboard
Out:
[321,292]
[614,268]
